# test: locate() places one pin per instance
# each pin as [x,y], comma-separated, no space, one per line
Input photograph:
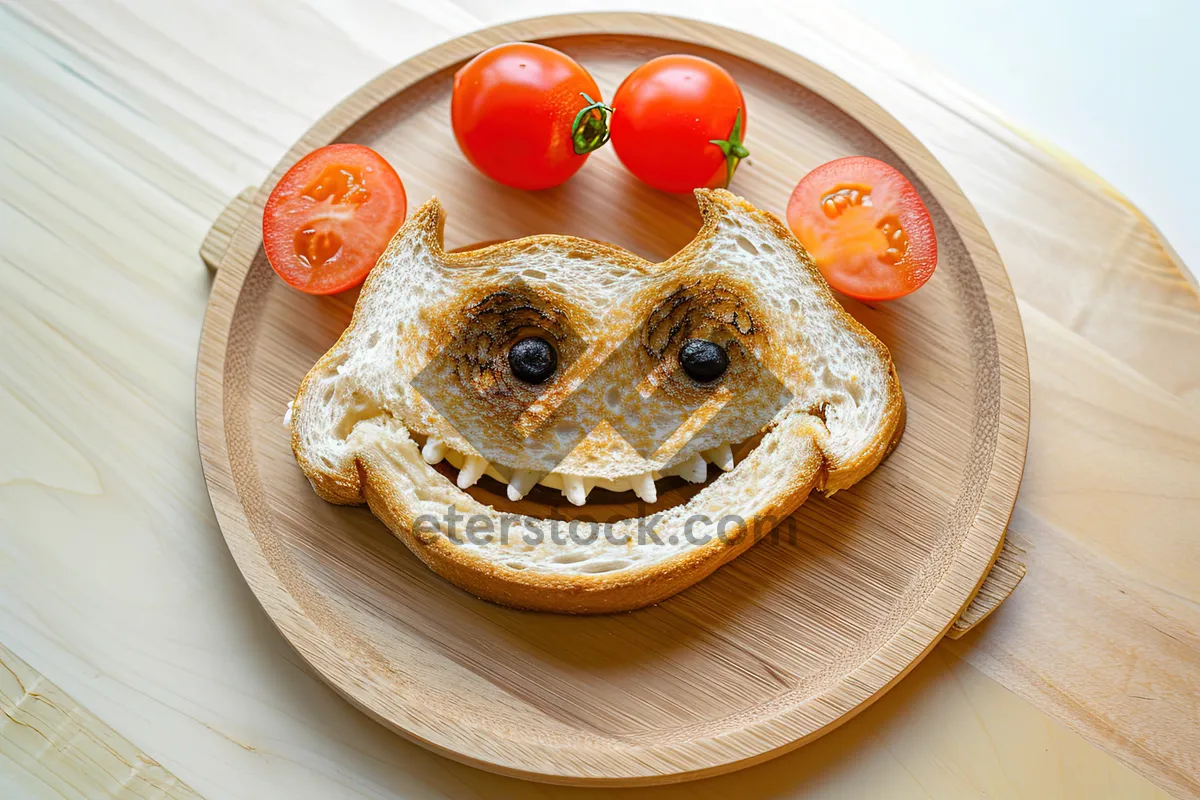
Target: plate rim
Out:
[649,764]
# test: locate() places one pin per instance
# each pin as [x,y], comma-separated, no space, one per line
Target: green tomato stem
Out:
[733,148]
[590,131]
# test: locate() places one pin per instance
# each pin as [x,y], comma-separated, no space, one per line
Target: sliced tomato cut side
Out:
[331,216]
[866,228]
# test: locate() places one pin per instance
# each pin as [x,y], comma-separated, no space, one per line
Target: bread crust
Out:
[367,476]
[625,590]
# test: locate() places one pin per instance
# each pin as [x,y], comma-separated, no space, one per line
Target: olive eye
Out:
[533,360]
[703,361]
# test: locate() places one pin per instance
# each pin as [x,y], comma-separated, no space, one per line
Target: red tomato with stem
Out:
[527,115]
[331,216]
[678,123]
[866,227]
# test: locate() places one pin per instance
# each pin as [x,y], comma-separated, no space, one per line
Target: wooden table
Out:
[145,665]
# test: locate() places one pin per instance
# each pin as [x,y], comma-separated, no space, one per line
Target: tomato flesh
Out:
[865,226]
[331,216]
[513,107]
[666,116]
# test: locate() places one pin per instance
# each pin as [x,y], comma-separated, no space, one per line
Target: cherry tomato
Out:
[331,216]
[678,123]
[526,115]
[866,228]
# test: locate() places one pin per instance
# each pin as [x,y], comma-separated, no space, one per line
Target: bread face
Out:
[421,374]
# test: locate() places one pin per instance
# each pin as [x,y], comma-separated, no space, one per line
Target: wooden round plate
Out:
[793,638]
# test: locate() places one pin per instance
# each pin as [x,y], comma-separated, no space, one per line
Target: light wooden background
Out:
[126,126]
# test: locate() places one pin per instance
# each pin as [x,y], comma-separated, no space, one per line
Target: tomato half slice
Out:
[866,228]
[331,216]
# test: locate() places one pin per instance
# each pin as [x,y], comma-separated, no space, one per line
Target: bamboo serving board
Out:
[782,645]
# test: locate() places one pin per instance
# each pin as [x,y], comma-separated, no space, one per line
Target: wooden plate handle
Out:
[1004,576]
[217,240]
[997,585]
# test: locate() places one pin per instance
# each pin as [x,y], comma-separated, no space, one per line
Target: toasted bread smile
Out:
[575,488]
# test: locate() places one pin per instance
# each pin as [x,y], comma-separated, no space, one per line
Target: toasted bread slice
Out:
[421,373]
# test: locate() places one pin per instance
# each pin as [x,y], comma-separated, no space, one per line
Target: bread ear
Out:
[428,224]
[716,206]
[721,207]
[423,231]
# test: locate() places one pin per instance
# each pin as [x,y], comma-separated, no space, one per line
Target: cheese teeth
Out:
[575,488]
[433,451]
[520,483]
[643,486]
[472,470]
[721,455]
[695,469]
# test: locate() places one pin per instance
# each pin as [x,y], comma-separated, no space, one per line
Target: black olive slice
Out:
[533,360]
[702,360]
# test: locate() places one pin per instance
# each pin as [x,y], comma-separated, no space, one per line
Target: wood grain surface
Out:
[773,650]
[128,125]
[45,734]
